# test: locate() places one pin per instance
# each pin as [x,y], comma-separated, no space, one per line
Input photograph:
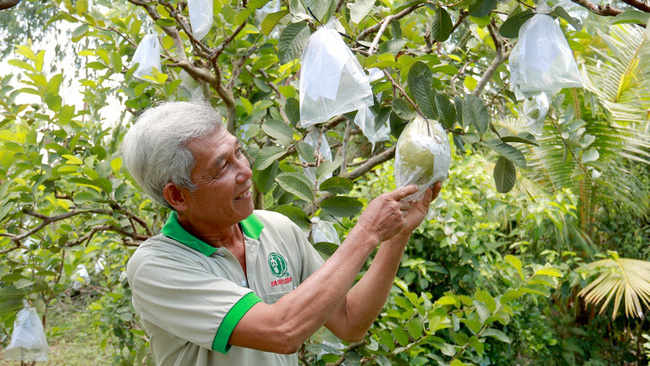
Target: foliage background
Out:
[494,275]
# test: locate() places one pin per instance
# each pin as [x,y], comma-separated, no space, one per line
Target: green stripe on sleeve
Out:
[220,343]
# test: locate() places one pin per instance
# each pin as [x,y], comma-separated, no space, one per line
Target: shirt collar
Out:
[251,227]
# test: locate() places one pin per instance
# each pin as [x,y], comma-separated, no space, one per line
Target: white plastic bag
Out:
[321,150]
[147,56]
[200,16]
[422,157]
[28,342]
[80,277]
[323,231]
[332,81]
[365,120]
[542,61]
[273,6]
[535,110]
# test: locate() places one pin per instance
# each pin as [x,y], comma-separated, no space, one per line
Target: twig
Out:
[403,92]
[380,33]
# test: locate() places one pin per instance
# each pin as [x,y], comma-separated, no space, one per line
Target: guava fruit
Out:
[423,155]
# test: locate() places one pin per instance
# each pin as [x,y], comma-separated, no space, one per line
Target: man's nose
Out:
[244,171]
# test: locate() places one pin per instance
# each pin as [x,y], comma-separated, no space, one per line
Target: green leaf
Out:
[510,295]
[482,310]
[22,283]
[22,64]
[474,112]
[326,248]
[458,104]
[295,214]
[392,46]
[446,111]
[631,16]
[79,32]
[337,185]
[271,20]
[81,7]
[293,39]
[590,155]
[360,9]
[442,25]
[328,167]
[523,138]
[482,8]
[510,28]
[507,151]
[505,175]
[322,9]
[549,271]
[297,184]
[267,156]
[280,131]
[264,179]
[403,109]
[292,110]
[497,334]
[516,264]
[420,81]
[341,206]
[401,336]
[559,11]
[414,328]
[163,22]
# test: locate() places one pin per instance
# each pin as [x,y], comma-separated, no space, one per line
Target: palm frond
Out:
[622,280]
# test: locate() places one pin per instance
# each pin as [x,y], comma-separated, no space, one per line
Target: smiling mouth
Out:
[244,195]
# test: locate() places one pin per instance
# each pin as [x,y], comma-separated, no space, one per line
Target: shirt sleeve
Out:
[189,302]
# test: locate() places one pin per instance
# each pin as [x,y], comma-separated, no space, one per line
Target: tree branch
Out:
[6,4]
[499,58]
[639,5]
[388,19]
[604,10]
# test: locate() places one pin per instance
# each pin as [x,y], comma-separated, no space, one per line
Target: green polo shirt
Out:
[190,295]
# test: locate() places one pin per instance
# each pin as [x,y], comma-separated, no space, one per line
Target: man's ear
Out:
[175,196]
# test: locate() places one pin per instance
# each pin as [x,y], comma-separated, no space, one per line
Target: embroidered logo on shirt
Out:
[277,264]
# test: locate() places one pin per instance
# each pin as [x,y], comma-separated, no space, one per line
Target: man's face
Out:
[223,177]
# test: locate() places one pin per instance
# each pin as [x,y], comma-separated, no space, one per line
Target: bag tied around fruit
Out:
[423,156]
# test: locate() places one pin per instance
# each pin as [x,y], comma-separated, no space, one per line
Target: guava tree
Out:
[67,202]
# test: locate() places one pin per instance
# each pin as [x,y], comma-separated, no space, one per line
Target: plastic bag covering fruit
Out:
[323,231]
[200,17]
[332,81]
[423,155]
[365,120]
[542,60]
[28,342]
[147,56]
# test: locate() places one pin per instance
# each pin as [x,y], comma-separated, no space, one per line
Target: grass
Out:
[71,337]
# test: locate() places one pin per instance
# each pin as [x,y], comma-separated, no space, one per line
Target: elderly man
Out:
[224,284]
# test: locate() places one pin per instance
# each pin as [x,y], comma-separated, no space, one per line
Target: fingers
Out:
[400,193]
[436,189]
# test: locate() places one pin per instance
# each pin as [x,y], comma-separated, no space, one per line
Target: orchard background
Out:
[536,251]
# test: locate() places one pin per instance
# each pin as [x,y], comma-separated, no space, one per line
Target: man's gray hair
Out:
[155,148]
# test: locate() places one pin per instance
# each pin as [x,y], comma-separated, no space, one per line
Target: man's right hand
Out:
[383,217]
